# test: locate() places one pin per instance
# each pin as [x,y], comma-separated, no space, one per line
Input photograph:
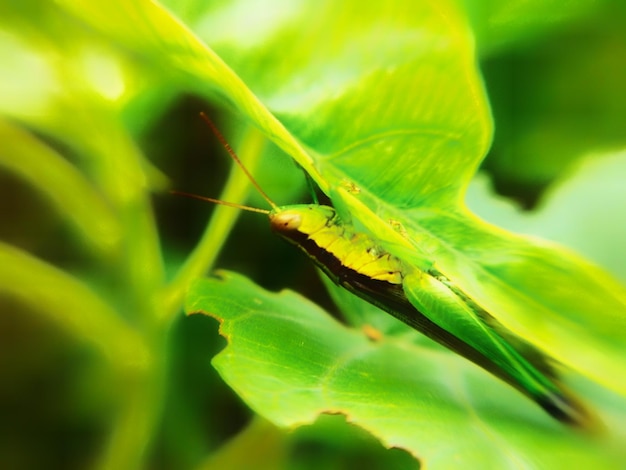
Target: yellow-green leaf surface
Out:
[290,361]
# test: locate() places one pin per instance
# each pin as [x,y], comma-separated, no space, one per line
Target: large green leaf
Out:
[400,51]
[375,92]
[290,361]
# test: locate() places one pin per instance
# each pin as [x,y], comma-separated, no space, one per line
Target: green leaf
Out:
[372,89]
[583,210]
[72,305]
[290,362]
[579,312]
[67,86]
[60,182]
[421,46]
[149,30]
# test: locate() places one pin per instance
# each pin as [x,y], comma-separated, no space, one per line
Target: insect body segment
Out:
[322,235]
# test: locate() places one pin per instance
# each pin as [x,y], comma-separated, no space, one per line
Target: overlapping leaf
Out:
[290,361]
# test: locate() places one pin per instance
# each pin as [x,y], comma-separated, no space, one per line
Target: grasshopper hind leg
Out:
[480,338]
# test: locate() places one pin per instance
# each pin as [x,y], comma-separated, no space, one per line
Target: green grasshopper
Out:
[424,299]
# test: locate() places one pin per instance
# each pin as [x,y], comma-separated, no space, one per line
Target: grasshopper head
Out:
[301,219]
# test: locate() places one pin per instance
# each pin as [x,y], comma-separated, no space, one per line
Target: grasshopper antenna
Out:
[234,156]
[223,203]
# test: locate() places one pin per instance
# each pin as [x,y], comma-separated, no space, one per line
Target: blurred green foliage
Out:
[98,117]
